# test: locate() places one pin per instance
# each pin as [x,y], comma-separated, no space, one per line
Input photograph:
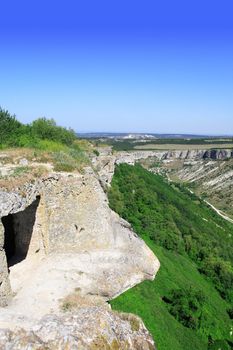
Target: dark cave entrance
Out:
[18,232]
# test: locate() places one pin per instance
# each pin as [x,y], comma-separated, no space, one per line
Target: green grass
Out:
[164,216]
[69,160]
[146,301]
[50,142]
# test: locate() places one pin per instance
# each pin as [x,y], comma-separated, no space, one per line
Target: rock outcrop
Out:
[199,154]
[88,328]
[66,238]
[73,217]
[209,178]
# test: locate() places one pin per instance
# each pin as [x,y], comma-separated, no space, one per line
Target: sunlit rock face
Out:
[105,163]
[58,235]
[87,328]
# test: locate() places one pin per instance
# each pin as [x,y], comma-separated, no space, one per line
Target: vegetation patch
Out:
[133,320]
[45,141]
[76,300]
[187,306]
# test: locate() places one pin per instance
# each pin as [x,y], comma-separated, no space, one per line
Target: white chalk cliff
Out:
[58,237]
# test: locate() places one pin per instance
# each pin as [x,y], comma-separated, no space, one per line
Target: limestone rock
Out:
[67,237]
[86,329]
[105,163]
[5,288]
[23,162]
[58,235]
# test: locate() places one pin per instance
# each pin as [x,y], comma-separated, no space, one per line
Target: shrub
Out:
[186,305]
[96,152]
[69,160]
[47,129]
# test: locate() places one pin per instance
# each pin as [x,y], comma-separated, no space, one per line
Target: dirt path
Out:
[219,212]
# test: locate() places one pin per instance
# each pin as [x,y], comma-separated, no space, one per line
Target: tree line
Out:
[13,133]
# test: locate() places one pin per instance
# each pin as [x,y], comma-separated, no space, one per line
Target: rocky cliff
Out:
[106,161]
[64,253]
[59,238]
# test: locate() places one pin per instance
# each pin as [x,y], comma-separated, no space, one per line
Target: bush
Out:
[46,129]
[96,152]
[70,160]
[221,272]
[186,305]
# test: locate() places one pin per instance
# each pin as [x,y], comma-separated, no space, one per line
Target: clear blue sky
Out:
[139,66]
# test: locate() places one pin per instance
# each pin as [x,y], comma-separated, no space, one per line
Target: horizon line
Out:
[153,133]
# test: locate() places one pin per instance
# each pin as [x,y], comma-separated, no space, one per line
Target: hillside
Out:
[64,250]
[210,179]
[189,303]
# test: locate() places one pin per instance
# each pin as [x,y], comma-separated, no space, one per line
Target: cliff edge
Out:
[63,249]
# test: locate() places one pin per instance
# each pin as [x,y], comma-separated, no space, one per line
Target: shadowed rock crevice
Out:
[18,230]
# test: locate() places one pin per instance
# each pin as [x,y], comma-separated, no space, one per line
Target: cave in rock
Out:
[18,230]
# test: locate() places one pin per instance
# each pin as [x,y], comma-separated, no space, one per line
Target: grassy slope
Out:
[145,300]
[177,269]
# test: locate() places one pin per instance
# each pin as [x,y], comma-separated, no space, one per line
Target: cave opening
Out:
[18,230]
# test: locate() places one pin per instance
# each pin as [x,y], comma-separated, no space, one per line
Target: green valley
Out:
[189,304]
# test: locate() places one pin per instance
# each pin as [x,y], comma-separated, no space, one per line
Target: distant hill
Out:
[116,135]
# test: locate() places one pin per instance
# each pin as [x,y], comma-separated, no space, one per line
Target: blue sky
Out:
[120,66]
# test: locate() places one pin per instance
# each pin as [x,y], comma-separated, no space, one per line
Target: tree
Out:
[9,127]
[47,129]
[186,306]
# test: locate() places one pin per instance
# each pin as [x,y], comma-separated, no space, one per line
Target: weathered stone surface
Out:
[132,157]
[86,329]
[18,199]
[105,166]
[5,288]
[70,240]
[76,242]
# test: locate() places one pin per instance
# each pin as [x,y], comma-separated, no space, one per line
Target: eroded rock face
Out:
[132,157]
[19,199]
[5,288]
[88,328]
[106,161]
[77,241]
[10,203]
[72,241]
